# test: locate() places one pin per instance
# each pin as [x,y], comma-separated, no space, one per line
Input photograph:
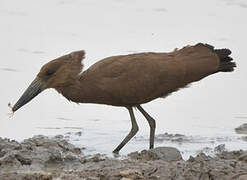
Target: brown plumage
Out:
[128,80]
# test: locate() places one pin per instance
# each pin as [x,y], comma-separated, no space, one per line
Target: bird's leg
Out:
[151,123]
[132,132]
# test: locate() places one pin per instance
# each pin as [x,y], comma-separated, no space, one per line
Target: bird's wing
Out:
[136,78]
[139,78]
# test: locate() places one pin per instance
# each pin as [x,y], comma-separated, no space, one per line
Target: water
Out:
[32,33]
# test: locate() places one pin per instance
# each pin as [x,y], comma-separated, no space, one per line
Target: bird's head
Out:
[56,74]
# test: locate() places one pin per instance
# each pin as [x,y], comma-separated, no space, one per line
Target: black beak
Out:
[33,90]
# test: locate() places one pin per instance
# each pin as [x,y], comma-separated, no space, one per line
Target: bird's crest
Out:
[78,55]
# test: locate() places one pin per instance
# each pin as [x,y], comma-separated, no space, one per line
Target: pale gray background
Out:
[35,32]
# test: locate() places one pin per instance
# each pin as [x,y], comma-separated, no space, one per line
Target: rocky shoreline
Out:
[48,158]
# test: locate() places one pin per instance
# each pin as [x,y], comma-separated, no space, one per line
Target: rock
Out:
[2,153]
[163,153]
[167,153]
[96,158]
[191,159]
[124,178]
[38,152]
[9,144]
[230,155]
[220,148]
[27,176]
[131,174]
[55,158]
[145,155]
[244,138]
[23,160]
[242,129]
[59,136]
[206,150]
[79,133]
[93,178]
[70,157]
[243,177]
[201,157]
[9,161]
[171,137]
[243,157]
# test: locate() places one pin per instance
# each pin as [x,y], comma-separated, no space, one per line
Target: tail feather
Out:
[226,64]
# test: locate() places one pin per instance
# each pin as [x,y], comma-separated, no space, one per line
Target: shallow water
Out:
[32,33]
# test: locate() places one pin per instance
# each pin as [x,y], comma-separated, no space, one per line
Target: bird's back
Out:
[139,78]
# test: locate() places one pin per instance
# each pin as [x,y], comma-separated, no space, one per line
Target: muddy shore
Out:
[50,158]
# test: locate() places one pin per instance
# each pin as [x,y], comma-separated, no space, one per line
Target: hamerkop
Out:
[128,80]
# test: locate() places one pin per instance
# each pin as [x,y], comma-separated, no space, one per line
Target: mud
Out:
[50,158]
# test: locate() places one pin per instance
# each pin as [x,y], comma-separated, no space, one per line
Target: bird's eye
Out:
[49,72]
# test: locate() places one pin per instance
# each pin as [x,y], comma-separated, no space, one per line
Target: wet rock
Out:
[206,150]
[220,148]
[167,153]
[93,178]
[131,174]
[23,160]
[243,157]
[26,176]
[9,161]
[8,144]
[242,177]
[96,158]
[242,129]
[47,158]
[124,178]
[38,152]
[79,133]
[230,155]
[163,153]
[244,138]
[191,159]
[59,136]
[201,157]
[70,157]
[2,153]
[171,137]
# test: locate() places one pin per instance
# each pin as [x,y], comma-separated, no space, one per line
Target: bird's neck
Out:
[78,91]
[70,90]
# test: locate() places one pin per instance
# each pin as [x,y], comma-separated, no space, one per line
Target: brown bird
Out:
[128,80]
